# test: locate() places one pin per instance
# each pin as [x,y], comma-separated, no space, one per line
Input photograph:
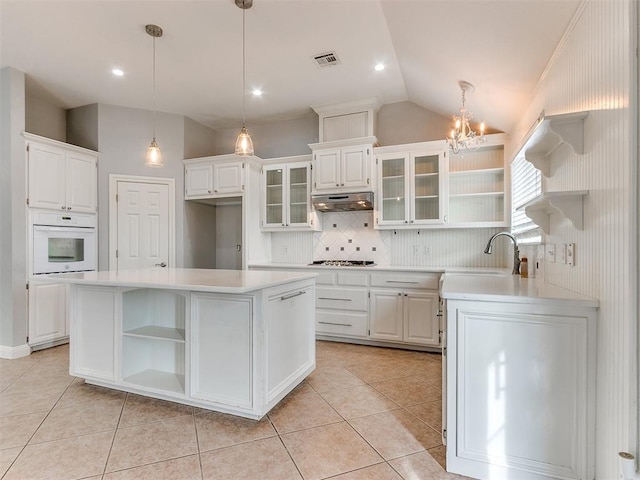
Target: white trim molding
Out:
[12,353]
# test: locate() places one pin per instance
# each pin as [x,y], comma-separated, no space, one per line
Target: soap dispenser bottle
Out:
[524,267]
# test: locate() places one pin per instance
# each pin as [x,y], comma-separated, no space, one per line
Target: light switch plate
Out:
[571,254]
[550,252]
[563,253]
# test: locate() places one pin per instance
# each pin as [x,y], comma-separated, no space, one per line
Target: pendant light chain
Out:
[244,95]
[154,88]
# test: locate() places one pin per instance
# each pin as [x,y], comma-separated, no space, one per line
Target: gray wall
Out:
[13,241]
[199,235]
[43,115]
[82,126]
[276,139]
[199,140]
[406,122]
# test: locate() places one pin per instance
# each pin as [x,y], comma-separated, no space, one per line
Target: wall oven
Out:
[63,242]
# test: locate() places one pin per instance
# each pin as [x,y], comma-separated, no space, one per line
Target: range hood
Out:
[343,202]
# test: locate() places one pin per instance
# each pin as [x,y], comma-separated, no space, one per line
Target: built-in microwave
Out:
[63,242]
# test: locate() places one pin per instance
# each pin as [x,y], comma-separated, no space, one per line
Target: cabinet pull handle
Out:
[339,324]
[400,281]
[291,295]
[337,299]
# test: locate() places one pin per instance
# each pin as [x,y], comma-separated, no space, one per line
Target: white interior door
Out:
[142,224]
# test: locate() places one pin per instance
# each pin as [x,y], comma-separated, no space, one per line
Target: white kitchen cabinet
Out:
[47,313]
[339,168]
[286,198]
[405,316]
[61,176]
[520,386]
[93,332]
[213,177]
[342,304]
[221,371]
[411,188]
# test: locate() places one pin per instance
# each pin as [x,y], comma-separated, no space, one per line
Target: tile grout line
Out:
[115,432]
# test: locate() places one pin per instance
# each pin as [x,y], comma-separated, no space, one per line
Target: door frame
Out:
[114,178]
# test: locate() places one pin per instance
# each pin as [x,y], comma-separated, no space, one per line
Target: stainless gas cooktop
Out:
[343,263]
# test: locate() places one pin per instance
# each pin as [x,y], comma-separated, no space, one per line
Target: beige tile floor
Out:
[365,413]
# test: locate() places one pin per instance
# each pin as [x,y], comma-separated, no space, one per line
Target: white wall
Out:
[13,239]
[595,69]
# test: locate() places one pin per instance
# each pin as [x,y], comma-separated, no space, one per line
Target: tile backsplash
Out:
[351,236]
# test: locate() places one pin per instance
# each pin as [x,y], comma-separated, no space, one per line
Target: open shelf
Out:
[568,204]
[480,171]
[157,379]
[159,333]
[478,194]
[549,133]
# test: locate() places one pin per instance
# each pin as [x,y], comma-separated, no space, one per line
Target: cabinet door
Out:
[92,337]
[326,169]
[386,315]
[47,312]
[46,177]
[221,370]
[198,180]
[273,212]
[82,182]
[393,204]
[421,323]
[427,196]
[298,192]
[355,166]
[228,178]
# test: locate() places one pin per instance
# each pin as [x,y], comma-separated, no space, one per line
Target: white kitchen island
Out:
[520,377]
[225,340]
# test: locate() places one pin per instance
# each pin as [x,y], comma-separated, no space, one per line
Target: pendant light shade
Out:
[244,145]
[154,157]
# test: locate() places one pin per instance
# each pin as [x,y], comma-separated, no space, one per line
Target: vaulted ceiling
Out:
[69,49]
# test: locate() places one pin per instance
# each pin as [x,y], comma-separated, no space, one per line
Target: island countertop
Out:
[193,279]
[509,289]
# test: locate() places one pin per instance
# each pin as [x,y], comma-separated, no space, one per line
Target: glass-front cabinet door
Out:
[274,206]
[393,204]
[427,183]
[286,201]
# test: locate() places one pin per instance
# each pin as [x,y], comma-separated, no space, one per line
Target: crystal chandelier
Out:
[462,137]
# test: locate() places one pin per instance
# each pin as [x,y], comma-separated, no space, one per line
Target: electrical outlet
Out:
[571,254]
[550,252]
[563,253]
[285,250]
[415,249]
[427,250]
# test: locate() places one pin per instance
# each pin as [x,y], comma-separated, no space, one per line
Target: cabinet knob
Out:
[342,184]
[406,221]
[337,184]
[209,191]
[405,295]
[411,221]
[215,191]
[68,208]
[63,208]
[283,224]
[400,294]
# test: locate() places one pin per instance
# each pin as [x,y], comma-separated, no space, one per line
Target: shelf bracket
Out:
[568,204]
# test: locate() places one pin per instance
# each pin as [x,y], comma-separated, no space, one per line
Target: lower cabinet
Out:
[92,353]
[405,316]
[221,369]
[47,313]
[520,384]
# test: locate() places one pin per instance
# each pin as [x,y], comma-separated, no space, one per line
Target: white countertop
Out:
[193,279]
[386,268]
[509,288]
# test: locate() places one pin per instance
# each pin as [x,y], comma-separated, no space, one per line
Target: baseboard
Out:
[14,352]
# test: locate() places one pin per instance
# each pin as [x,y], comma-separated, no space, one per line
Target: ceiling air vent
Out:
[326,59]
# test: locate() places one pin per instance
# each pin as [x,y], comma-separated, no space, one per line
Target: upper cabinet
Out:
[61,176]
[478,182]
[340,167]
[411,187]
[286,197]
[213,177]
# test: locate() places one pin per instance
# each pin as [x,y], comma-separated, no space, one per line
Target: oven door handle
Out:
[47,228]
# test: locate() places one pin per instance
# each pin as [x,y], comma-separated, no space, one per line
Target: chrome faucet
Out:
[516,252]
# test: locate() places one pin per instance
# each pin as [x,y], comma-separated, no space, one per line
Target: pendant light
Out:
[244,145]
[154,157]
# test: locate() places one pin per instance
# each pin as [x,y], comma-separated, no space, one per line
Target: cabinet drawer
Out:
[341,298]
[406,280]
[353,278]
[342,324]
[325,278]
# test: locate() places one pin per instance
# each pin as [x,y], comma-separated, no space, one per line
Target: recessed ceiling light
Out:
[117,72]
[379,67]
[257,92]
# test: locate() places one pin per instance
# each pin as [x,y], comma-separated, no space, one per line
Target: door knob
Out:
[163,264]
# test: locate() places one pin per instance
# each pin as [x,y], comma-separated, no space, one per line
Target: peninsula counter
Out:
[224,340]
